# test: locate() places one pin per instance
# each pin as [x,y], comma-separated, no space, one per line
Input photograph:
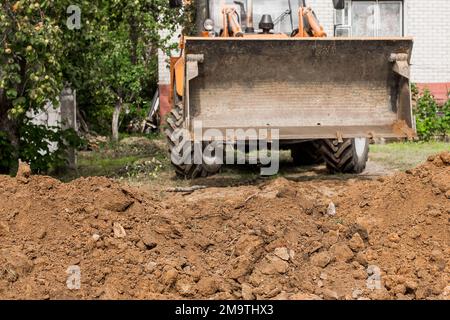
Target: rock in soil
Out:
[247,292]
[273,265]
[283,253]
[356,243]
[207,286]
[23,172]
[321,259]
[341,252]
[119,231]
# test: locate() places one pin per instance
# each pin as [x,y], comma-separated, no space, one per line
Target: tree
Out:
[111,60]
[432,120]
[119,45]
[30,74]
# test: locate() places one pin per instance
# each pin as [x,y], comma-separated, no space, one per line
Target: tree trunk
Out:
[115,120]
[9,126]
[134,37]
[83,125]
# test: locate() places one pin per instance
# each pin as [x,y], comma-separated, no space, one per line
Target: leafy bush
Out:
[45,147]
[431,120]
[6,153]
[444,120]
[113,57]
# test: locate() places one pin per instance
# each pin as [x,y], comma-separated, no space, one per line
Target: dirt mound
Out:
[384,239]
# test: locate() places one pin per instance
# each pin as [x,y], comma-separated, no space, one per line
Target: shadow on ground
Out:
[238,175]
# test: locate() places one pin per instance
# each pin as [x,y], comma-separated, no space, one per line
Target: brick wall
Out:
[325,13]
[429,23]
[163,66]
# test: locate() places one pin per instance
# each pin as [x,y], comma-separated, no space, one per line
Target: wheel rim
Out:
[360,146]
[213,160]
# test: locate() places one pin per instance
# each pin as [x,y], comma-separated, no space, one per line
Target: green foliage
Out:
[112,57]
[188,21]
[30,55]
[431,120]
[444,120]
[414,92]
[45,147]
[405,155]
[134,112]
[426,117]
[6,151]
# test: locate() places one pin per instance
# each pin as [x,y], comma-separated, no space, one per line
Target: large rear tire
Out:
[182,149]
[349,156]
[306,153]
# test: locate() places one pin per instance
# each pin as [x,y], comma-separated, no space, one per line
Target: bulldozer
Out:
[328,97]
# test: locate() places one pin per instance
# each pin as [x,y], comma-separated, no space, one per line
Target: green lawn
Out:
[146,160]
[405,155]
[133,158]
[95,165]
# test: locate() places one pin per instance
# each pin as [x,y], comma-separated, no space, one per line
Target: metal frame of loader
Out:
[378,67]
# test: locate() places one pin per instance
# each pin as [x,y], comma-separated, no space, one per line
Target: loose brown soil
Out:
[277,240]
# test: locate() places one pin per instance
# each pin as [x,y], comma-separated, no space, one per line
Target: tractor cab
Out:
[259,16]
[237,18]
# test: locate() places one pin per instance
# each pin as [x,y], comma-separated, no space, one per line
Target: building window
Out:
[377,18]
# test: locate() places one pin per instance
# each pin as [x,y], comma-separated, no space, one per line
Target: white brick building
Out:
[163,67]
[428,22]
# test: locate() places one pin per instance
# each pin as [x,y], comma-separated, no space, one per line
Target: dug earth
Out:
[386,239]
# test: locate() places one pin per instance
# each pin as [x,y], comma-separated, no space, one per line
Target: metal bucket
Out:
[312,88]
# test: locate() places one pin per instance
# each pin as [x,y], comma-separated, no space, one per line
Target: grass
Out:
[133,158]
[145,161]
[405,155]
[96,165]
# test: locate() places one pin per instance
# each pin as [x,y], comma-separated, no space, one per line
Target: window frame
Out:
[347,25]
[378,15]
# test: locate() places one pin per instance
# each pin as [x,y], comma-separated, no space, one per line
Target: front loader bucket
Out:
[307,88]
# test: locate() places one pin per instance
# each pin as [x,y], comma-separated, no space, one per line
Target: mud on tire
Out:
[350,156]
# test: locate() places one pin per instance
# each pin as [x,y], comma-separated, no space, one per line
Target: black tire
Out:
[307,153]
[182,149]
[349,156]
[339,4]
